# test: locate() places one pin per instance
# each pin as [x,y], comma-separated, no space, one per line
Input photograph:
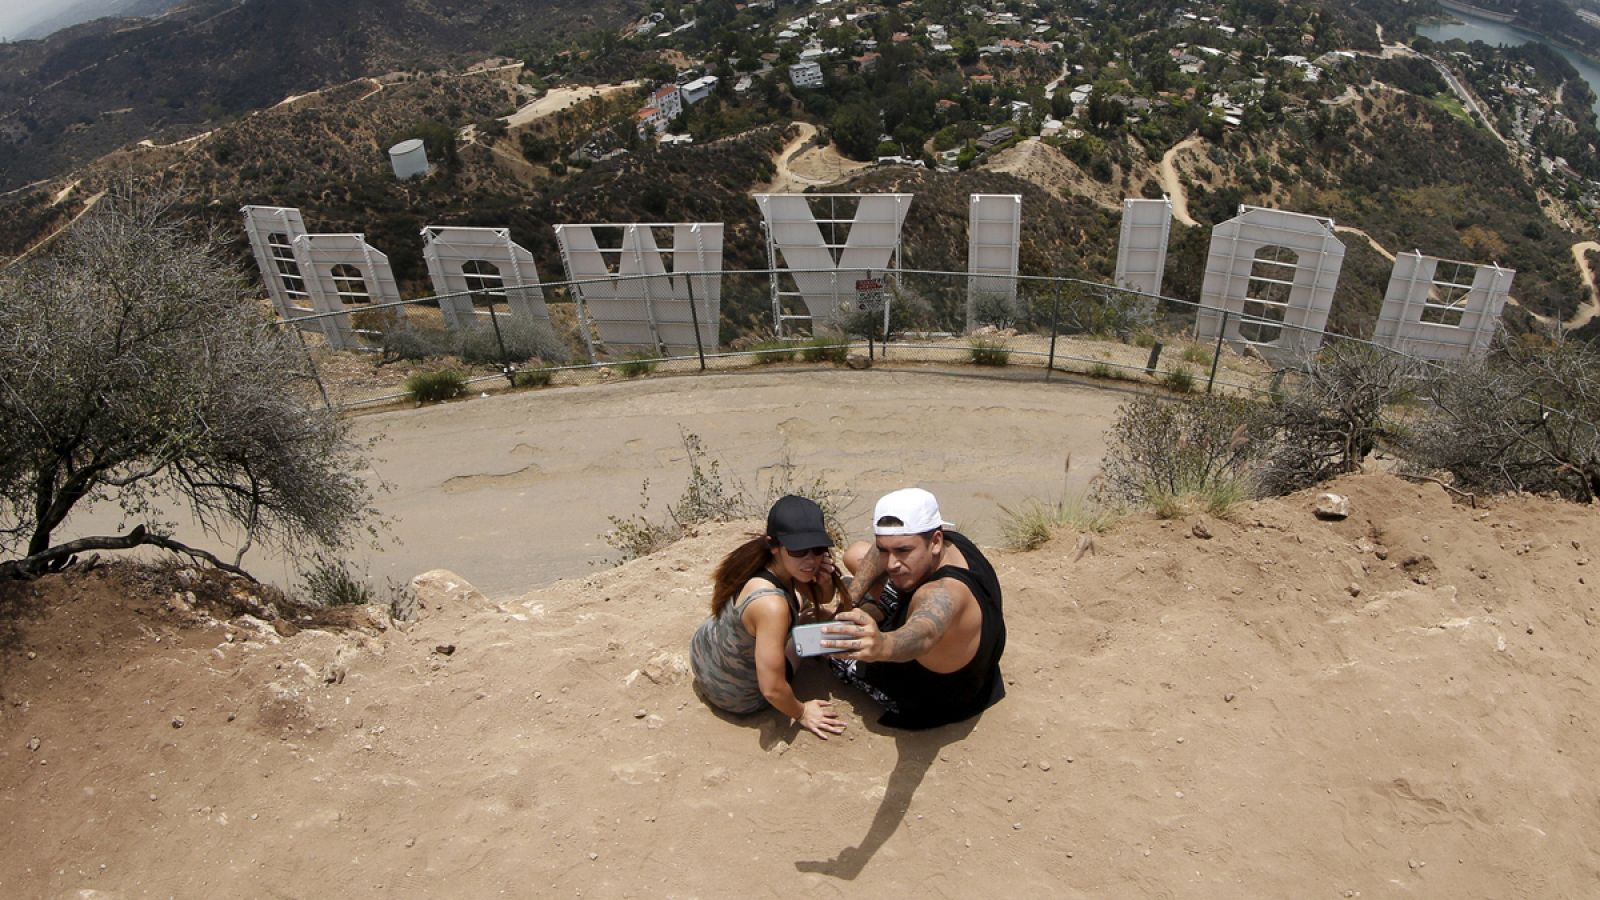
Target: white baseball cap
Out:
[914,507]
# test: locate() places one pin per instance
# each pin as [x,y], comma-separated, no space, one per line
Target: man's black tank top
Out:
[927,699]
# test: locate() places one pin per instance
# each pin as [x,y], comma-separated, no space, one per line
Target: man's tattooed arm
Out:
[933,609]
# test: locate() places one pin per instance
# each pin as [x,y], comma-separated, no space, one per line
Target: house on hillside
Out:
[698,89]
[990,139]
[668,101]
[806,74]
[650,121]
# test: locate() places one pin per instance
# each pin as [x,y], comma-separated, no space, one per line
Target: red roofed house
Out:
[665,105]
[669,100]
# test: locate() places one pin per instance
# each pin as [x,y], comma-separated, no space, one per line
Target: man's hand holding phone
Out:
[853,635]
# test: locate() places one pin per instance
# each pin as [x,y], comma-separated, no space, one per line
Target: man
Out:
[921,630]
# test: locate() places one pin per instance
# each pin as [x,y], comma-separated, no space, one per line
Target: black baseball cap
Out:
[797,524]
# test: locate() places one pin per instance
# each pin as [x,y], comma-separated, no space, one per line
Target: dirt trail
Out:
[1172,184]
[783,178]
[47,239]
[800,165]
[1589,309]
[1371,241]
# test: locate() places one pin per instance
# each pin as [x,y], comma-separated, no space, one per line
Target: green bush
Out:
[999,310]
[1196,354]
[1031,525]
[524,339]
[987,352]
[532,378]
[637,363]
[1179,380]
[774,351]
[909,310]
[407,340]
[329,582]
[1107,312]
[435,386]
[1106,370]
[824,348]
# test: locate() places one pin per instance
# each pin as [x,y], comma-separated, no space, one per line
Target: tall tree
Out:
[136,369]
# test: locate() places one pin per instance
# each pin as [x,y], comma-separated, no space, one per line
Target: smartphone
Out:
[808,640]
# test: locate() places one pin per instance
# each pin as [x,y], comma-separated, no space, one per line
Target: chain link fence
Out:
[591,331]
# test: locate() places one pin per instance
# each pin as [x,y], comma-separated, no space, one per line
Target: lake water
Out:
[1496,34]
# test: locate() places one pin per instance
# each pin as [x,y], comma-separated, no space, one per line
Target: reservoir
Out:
[1496,34]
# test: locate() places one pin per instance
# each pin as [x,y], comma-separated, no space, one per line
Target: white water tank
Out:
[409,158]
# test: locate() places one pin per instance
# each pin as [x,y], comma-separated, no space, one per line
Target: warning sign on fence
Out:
[869,294]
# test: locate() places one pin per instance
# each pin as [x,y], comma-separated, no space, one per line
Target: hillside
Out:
[1375,140]
[1396,704]
[80,93]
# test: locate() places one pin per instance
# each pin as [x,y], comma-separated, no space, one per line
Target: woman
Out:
[761,589]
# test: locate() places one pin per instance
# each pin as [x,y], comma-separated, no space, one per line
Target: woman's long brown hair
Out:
[738,567]
[744,562]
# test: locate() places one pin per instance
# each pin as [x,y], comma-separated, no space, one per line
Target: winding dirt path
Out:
[45,242]
[1174,185]
[783,178]
[800,165]
[1587,311]
[1371,241]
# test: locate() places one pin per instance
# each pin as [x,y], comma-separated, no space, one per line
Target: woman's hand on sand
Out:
[818,717]
[854,632]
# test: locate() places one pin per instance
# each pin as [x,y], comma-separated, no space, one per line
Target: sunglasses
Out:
[802,554]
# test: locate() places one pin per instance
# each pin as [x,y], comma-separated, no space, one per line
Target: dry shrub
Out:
[1521,420]
[711,496]
[1168,455]
[1334,412]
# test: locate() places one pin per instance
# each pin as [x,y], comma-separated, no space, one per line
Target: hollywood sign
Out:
[1269,282]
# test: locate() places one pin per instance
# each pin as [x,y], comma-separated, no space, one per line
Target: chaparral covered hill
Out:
[1397,704]
[84,91]
[1394,173]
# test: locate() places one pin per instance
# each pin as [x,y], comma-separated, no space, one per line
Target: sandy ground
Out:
[557,99]
[515,491]
[1396,705]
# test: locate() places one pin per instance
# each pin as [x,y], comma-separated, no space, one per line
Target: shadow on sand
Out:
[916,751]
